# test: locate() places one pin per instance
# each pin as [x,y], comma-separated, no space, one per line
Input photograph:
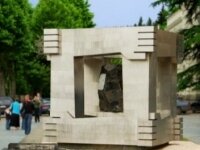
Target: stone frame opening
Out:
[89,69]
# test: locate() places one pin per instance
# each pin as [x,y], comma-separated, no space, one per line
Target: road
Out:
[191,127]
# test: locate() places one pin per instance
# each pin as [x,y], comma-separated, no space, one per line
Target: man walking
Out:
[27,109]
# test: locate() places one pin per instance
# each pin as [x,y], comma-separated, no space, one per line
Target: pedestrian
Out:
[8,118]
[28,109]
[37,104]
[22,112]
[15,113]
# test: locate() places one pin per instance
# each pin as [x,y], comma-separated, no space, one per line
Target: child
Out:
[8,118]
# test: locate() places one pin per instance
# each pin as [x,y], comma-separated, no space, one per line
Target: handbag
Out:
[7,111]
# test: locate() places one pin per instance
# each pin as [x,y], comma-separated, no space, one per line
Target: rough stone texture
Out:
[110,97]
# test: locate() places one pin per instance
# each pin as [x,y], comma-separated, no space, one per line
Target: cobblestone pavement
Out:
[11,136]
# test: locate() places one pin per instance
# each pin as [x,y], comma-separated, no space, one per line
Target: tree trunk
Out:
[2,89]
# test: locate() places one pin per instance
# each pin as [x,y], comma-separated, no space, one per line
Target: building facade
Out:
[175,23]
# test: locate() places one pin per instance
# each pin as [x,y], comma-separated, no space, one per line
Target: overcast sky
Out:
[109,13]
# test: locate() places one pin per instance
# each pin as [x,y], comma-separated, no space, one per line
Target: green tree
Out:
[189,78]
[192,7]
[162,18]
[15,38]
[33,74]
[149,22]
[53,14]
[140,22]
[62,14]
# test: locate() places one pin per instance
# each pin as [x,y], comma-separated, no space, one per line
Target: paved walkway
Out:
[13,136]
[18,136]
[191,127]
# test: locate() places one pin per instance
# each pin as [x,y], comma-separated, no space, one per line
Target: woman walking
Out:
[27,109]
[15,114]
[37,104]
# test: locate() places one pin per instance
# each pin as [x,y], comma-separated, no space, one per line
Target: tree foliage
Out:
[21,29]
[162,18]
[15,37]
[62,14]
[173,5]
[189,78]
[55,14]
[149,22]
[14,22]
[140,22]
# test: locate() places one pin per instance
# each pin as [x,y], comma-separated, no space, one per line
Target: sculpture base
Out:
[99,147]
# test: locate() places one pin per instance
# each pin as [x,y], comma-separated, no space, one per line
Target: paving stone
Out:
[32,146]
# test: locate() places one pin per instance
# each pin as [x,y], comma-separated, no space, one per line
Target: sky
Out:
[111,13]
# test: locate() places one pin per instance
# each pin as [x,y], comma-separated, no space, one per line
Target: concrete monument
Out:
[143,114]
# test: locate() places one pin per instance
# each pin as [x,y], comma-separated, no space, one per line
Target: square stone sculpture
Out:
[148,114]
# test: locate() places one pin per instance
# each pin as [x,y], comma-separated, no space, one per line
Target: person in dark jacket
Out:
[27,110]
[8,118]
[37,104]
